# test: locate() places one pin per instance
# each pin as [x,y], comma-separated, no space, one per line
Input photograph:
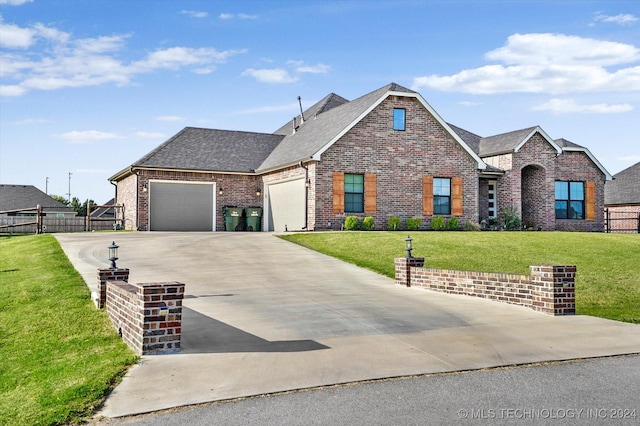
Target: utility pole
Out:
[46,186]
[69,193]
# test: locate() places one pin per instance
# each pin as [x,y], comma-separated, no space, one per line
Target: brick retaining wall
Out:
[549,288]
[148,316]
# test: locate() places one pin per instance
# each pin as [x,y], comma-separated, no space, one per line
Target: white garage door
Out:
[287,206]
[181,206]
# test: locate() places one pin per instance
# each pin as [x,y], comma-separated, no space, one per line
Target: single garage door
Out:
[287,206]
[180,206]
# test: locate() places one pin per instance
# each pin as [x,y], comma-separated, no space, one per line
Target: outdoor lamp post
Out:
[408,246]
[113,254]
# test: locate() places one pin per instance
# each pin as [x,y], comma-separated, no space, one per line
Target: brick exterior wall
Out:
[576,166]
[105,275]
[529,184]
[147,316]
[399,159]
[238,190]
[549,289]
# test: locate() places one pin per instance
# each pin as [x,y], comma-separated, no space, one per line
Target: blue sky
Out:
[89,87]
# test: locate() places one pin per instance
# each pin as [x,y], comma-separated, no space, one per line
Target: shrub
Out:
[437,223]
[414,223]
[470,226]
[368,223]
[452,224]
[351,223]
[509,218]
[394,223]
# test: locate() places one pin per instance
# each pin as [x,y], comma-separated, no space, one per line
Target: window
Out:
[569,200]
[399,119]
[353,193]
[441,196]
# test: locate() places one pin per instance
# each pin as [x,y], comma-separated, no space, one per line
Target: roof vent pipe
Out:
[301,112]
[294,125]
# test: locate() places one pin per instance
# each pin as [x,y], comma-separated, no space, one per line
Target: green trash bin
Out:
[232,218]
[252,217]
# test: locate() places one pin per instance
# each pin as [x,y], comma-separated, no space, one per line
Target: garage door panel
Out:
[287,205]
[180,207]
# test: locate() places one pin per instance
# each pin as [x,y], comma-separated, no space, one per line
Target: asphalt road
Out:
[586,392]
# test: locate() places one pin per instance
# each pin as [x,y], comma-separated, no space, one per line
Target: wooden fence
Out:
[38,223]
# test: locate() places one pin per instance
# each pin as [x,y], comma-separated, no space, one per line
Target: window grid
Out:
[442,196]
[353,193]
[569,203]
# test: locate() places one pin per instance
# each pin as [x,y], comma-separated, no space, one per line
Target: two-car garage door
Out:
[179,206]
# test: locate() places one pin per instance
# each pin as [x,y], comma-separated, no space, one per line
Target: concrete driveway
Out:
[262,315]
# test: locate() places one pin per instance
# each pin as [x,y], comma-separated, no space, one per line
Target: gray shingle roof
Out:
[13,197]
[505,142]
[323,105]
[469,138]
[212,150]
[321,129]
[624,188]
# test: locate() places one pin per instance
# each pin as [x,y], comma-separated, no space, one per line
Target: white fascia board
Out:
[544,134]
[481,165]
[607,175]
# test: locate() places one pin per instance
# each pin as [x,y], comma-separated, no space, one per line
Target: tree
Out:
[61,199]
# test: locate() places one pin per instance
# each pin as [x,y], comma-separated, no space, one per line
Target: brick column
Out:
[162,306]
[104,275]
[553,289]
[403,269]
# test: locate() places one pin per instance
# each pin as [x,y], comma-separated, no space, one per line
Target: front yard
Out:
[607,281]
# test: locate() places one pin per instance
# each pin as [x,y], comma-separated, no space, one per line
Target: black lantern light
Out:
[113,254]
[408,247]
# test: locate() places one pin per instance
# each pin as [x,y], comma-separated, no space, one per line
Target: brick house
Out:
[387,153]
[622,201]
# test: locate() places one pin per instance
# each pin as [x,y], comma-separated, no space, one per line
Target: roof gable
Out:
[512,142]
[14,197]
[624,188]
[315,137]
[568,146]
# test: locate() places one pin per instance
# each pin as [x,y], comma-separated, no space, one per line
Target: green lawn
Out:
[59,355]
[607,281]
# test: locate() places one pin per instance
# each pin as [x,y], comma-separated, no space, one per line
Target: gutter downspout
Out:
[306,195]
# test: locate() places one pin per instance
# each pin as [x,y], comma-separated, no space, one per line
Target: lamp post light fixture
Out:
[408,246]
[113,254]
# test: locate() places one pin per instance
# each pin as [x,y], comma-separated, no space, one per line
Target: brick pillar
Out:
[553,289]
[403,269]
[162,307]
[104,275]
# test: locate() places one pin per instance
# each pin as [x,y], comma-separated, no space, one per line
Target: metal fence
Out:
[624,222]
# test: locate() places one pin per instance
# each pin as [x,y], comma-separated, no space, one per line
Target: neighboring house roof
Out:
[105,211]
[14,197]
[318,134]
[624,189]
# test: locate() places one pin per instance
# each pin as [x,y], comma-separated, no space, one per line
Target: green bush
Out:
[509,218]
[368,223]
[394,223]
[470,226]
[437,223]
[452,224]
[414,223]
[351,223]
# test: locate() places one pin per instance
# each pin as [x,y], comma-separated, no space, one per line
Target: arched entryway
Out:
[534,197]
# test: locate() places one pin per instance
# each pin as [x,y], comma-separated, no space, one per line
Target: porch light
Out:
[220,191]
[408,247]
[113,254]
[258,192]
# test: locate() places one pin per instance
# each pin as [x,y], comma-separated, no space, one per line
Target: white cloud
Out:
[567,106]
[30,121]
[170,118]
[270,108]
[195,13]
[630,158]
[15,2]
[86,136]
[150,135]
[546,63]
[227,16]
[319,68]
[273,75]
[45,58]
[621,19]
[469,104]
